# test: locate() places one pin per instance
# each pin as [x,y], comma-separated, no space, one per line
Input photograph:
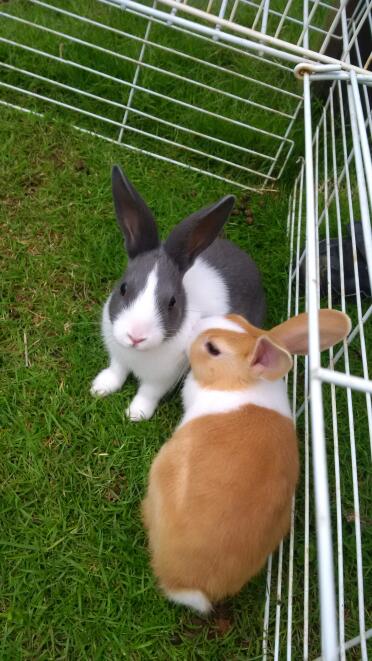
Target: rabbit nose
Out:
[136,340]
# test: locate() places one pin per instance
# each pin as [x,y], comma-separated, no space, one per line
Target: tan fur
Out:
[293,333]
[219,499]
[220,491]
[235,368]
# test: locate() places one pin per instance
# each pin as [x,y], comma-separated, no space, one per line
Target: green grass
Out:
[117,62]
[74,572]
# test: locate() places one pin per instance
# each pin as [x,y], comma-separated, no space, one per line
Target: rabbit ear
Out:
[293,333]
[269,360]
[195,233]
[133,215]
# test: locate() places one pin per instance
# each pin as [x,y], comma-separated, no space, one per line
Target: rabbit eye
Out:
[123,288]
[212,349]
[172,303]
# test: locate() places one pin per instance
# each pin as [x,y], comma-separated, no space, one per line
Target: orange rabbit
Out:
[220,490]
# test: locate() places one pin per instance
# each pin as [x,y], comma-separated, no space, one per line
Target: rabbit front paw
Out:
[105,383]
[140,408]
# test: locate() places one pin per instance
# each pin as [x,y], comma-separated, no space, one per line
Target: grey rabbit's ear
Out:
[195,233]
[133,215]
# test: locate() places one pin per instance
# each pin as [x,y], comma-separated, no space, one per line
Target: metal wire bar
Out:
[267,609]
[284,16]
[341,177]
[138,112]
[323,522]
[306,514]
[333,26]
[166,49]
[135,77]
[356,330]
[351,643]
[153,68]
[119,124]
[17,107]
[220,15]
[259,11]
[350,42]
[138,87]
[366,152]
[148,116]
[346,381]
[304,36]
[275,51]
[319,457]
[139,150]
[355,258]
[278,603]
[365,91]
[306,452]
[294,405]
[290,234]
[194,26]
[200,35]
[173,12]
[340,559]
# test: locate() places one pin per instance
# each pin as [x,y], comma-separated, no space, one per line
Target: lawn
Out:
[74,573]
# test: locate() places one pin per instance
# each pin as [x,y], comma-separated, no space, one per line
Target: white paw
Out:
[140,409]
[105,383]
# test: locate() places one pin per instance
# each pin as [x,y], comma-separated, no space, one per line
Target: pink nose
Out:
[136,340]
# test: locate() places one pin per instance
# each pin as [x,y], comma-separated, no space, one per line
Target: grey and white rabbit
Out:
[166,288]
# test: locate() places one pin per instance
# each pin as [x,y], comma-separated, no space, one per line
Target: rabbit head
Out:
[148,304]
[230,353]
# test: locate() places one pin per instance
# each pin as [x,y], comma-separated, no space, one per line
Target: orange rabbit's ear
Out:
[243,323]
[293,333]
[269,360]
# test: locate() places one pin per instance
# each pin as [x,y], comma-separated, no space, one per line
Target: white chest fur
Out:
[200,401]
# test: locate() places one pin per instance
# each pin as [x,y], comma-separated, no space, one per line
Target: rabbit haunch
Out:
[167,287]
[220,490]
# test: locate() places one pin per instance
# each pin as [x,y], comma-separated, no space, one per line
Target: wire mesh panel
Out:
[342,282]
[183,90]
[210,85]
[224,116]
[282,21]
[330,211]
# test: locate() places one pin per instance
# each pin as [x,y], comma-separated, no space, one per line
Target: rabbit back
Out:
[219,499]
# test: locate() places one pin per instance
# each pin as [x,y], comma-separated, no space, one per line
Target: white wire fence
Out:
[339,445]
[220,87]
[230,118]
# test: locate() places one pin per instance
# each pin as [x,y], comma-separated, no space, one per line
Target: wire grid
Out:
[283,22]
[338,184]
[225,119]
[332,189]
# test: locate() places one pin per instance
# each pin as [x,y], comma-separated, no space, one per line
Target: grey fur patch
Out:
[238,271]
[135,276]
[242,279]
[169,286]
